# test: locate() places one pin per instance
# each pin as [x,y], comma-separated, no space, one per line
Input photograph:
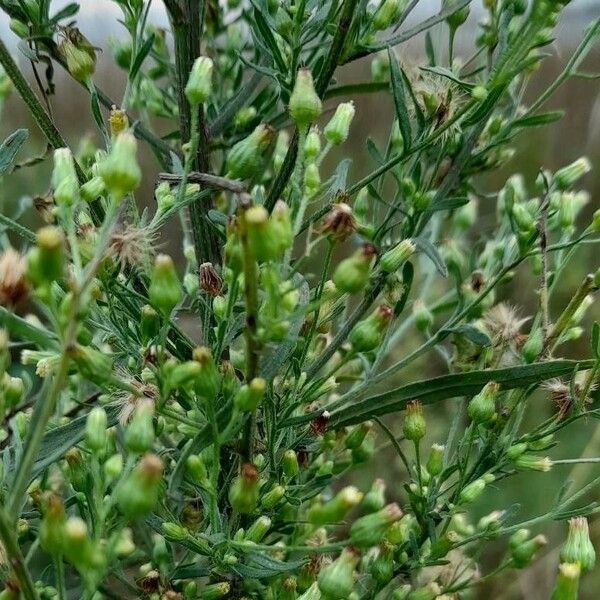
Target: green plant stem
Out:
[59,576]
[186,21]
[322,83]
[563,321]
[251,331]
[17,561]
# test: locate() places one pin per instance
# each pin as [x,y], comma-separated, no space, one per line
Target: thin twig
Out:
[222,183]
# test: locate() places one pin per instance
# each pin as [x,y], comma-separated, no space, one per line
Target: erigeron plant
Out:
[140,461]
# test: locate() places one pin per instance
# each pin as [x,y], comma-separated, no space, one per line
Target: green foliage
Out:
[140,460]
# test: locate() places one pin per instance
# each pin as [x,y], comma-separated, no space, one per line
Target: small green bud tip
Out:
[472,491]
[423,316]
[414,422]
[352,274]
[482,406]
[250,395]
[435,462]
[120,169]
[243,493]
[578,547]
[96,435]
[245,158]
[386,14]
[371,529]
[46,263]
[64,178]
[92,189]
[523,553]
[81,64]
[567,176]
[393,259]
[305,105]
[165,290]
[199,86]
[530,462]
[567,582]
[368,333]
[336,580]
[337,130]
[312,145]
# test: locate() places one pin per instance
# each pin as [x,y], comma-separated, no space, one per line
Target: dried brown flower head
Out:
[14,286]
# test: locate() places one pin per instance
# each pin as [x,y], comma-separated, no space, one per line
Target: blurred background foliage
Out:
[552,146]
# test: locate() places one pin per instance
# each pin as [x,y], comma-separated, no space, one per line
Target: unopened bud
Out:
[165,289]
[96,434]
[567,582]
[250,395]
[352,274]
[578,548]
[367,334]
[337,579]
[243,493]
[482,407]
[567,176]
[120,169]
[305,105]
[199,86]
[393,259]
[414,422]
[139,493]
[370,530]
[336,131]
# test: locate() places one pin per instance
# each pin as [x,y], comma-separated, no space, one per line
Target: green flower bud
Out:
[352,274]
[482,407]
[197,469]
[78,546]
[96,430]
[530,462]
[257,531]
[139,435]
[414,422]
[199,86]
[567,582]
[490,522]
[52,526]
[578,548]
[522,554]
[81,63]
[393,259]
[250,396]
[91,363]
[165,290]
[516,450]
[208,381]
[19,28]
[289,464]
[45,261]
[596,220]
[370,530]
[334,510]
[368,333]
[336,131]
[435,462]
[336,581]
[428,592]
[92,189]
[312,593]
[190,591]
[382,568]
[534,345]
[281,225]
[213,591]
[402,592]
[243,493]
[13,389]
[139,493]
[183,375]
[174,531]
[64,178]
[245,158]
[357,435]
[471,491]
[386,14]
[374,499]
[523,218]
[262,236]
[423,316]
[113,467]
[567,176]
[312,145]
[272,497]
[466,215]
[305,105]
[149,324]
[120,169]
[312,179]
[456,19]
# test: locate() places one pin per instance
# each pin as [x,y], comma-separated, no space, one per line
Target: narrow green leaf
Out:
[397,84]
[541,119]
[10,147]
[141,56]
[432,252]
[596,339]
[447,74]
[453,386]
